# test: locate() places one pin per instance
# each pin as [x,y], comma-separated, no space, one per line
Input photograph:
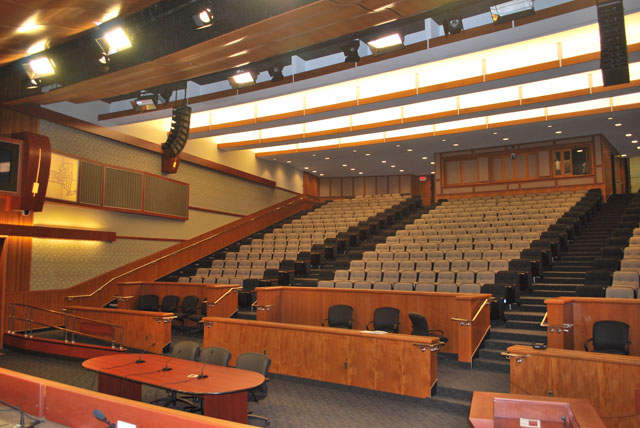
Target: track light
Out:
[114,41]
[145,102]
[388,43]
[350,51]
[511,10]
[40,67]
[452,25]
[242,79]
[204,18]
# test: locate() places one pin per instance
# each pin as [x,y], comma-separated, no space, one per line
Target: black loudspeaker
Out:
[179,133]
[614,60]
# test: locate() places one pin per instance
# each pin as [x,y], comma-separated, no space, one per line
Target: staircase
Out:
[568,271]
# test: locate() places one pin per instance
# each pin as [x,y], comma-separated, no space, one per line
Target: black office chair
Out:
[420,327]
[339,316]
[148,302]
[385,319]
[184,350]
[258,363]
[610,337]
[169,303]
[189,307]
[215,355]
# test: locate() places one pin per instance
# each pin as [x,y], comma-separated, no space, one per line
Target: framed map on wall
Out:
[63,178]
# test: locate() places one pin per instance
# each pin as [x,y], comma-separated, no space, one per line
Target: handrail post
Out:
[66,329]
[73,330]
[113,336]
[11,310]
[121,336]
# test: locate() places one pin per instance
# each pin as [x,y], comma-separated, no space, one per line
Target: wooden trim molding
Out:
[206,210]
[144,238]
[56,233]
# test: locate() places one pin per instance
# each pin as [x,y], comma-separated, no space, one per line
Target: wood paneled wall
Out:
[583,312]
[384,362]
[611,383]
[309,306]
[522,168]
[310,184]
[371,185]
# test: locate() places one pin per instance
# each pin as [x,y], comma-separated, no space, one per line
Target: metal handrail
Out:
[68,319]
[552,328]
[518,357]
[173,253]
[229,291]
[433,347]
[463,321]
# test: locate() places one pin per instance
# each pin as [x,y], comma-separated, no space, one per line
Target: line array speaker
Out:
[614,60]
[179,133]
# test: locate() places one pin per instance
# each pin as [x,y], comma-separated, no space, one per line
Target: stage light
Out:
[145,102]
[114,41]
[452,25]
[511,10]
[350,51]
[242,78]
[385,44]
[39,67]
[203,19]
[275,71]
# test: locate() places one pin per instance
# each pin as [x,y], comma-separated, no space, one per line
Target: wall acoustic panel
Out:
[122,189]
[532,165]
[405,184]
[336,187]
[521,169]
[483,169]
[382,185]
[347,187]
[370,186]
[394,184]
[470,171]
[325,187]
[544,167]
[167,197]
[358,186]
[90,183]
[451,172]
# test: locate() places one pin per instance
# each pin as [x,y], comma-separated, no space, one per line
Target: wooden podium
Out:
[497,410]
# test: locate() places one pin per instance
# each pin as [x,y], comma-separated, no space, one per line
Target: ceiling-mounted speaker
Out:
[179,133]
[614,59]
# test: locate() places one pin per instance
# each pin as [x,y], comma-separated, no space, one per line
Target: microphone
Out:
[202,375]
[166,367]
[97,413]
[140,360]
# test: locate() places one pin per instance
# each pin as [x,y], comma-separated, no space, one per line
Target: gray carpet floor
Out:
[294,402]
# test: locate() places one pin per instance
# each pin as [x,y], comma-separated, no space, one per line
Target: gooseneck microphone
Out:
[97,413]
[166,367]
[202,375]
[140,360]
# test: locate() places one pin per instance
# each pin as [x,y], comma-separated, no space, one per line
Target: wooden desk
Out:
[224,390]
[611,383]
[397,363]
[309,306]
[496,410]
[583,312]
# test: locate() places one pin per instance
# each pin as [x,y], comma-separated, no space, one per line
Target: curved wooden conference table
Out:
[224,389]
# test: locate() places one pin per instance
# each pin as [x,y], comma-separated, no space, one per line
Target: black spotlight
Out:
[452,25]
[204,18]
[275,71]
[179,133]
[350,51]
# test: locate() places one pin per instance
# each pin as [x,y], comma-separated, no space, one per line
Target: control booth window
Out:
[572,161]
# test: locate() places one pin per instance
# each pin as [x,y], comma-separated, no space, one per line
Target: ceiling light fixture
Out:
[511,10]
[114,41]
[145,101]
[383,161]
[204,18]
[634,141]
[242,79]
[558,132]
[409,150]
[425,157]
[276,72]
[618,124]
[38,46]
[350,51]
[40,67]
[387,43]
[452,25]
[628,135]
[505,139]
[455,144]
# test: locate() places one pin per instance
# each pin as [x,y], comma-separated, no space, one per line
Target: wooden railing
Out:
[72,325]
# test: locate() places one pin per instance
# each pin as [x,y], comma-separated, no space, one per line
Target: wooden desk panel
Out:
[384,362]
[490,409]
[309,306]
[583,312]
[210,292]
[142,329]
[611,383]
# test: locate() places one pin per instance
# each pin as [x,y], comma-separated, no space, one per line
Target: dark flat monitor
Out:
[9,166]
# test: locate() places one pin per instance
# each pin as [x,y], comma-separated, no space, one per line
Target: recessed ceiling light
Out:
[495,132]
[455,144]
[628,135]
[634,141]
[432,163]
[609,118]
[306,167]
[275,158]
[314,171]
[433,172]
[409,150]
[505,139]
[444,139]
[313,155]
[425,157]
[624,155]
[579,150]
[383,161]
[354,150]
[360,172]
[393,166]
[344,164]
[288,161]
[549,126]
[352,169]
[402,170]
[327,158]
[321,175]
[558,132]
[367,154]
[618,124]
